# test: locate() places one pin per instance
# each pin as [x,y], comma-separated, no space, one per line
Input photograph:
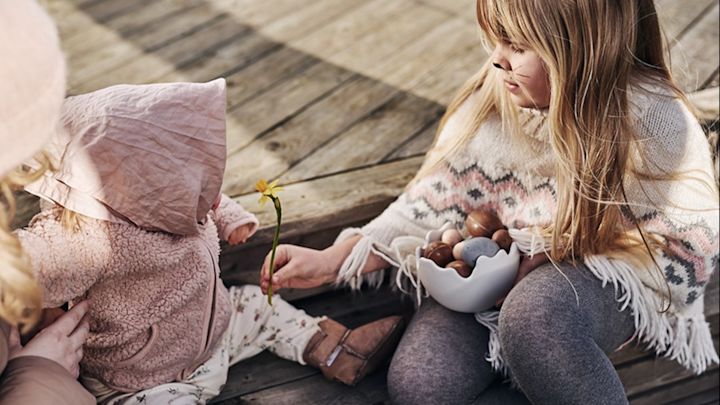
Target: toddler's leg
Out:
[556,347]
[256,326]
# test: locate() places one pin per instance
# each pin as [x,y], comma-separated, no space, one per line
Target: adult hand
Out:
[298,267]
[60,342]
[527,264]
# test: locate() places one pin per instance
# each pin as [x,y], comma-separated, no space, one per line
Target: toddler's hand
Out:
[240,234]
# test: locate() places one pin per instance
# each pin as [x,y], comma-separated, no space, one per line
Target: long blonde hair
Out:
[592,49]
[20,296]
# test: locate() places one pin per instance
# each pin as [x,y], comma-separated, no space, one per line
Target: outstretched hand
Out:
[60,342]
[297,267]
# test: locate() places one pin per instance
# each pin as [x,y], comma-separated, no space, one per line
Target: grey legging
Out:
[555,348]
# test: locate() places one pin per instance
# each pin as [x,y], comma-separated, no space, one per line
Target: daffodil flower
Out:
[268,192]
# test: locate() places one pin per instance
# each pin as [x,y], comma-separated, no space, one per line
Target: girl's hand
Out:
[527,264]
[240,234]
[60,342]
[298,267]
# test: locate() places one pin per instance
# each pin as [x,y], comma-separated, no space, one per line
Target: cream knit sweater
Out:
[514,176]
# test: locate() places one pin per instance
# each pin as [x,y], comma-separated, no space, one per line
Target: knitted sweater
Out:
[158,307]
[514,177]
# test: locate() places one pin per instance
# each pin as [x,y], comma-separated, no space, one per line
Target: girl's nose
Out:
[499,61]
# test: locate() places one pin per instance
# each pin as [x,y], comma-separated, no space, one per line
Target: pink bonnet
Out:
[152,155]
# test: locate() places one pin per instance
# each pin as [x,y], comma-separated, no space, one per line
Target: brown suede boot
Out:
[347,355]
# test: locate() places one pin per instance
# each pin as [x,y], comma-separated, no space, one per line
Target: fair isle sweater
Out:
[514,177]
[157,305]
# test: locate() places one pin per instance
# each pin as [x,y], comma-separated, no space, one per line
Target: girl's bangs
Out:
[489,18]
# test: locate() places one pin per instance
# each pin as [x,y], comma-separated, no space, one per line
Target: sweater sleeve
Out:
[682,211]
[65,263]
[229,215]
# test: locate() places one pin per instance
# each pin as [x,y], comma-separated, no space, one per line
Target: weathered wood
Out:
[288,144]
[352,196]
[693,61]
[144,69]
[676,17]
[308,18]
[285,99]
[680,392]
[368,141]
[106,10]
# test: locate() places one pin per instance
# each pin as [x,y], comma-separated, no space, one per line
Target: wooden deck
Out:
[340,100]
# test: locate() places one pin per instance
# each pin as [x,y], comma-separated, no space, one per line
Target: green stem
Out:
[276,239]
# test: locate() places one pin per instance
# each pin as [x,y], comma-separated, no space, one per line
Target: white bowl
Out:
[491,278]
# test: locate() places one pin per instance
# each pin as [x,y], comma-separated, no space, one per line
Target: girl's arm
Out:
[683,211]
[299,267]
[229,216]
[66,263]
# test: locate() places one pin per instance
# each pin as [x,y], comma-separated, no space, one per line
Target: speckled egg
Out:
[482,223]
[476,247]
[451,237]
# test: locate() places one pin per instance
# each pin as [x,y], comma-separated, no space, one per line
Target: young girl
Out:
[576,136]
[133,227]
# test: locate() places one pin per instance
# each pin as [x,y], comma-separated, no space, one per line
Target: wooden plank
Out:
[368,141]
[417,62]
[376,46]
[335,36]
[285,146]
[654,372]
[462,8]
[693,61]
[677,16]
[308,18]
[284,99]
[92,64]
[418,145]
[259,13]
[145,68]
[106,10]
[678,392]
[349,197]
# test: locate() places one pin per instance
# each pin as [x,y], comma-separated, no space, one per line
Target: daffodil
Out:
[268,192]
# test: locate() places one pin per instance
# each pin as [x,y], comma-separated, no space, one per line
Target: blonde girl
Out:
[32,87]
[576,136]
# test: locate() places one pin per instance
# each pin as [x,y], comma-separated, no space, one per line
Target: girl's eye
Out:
[516,49]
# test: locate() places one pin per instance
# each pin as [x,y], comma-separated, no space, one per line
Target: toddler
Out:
[133,225]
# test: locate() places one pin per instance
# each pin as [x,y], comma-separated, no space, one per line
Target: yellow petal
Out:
[261,185]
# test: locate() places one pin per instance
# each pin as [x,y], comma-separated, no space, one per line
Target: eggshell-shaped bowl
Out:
[491,278]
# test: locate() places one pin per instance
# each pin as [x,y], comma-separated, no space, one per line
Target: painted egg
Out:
[503,239]
[451,237]
[482,223]
[476,247]
[438,252]
[461,268]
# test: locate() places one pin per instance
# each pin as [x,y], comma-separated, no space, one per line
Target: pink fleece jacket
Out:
[158,306]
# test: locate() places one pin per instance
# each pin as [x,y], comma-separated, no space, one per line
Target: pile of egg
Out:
[487,236]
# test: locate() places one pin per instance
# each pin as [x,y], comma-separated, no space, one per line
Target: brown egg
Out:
[461,267]
[503,239]
[439,252]
[482,223]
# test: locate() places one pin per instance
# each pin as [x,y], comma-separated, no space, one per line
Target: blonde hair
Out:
[592,50]
[20,296]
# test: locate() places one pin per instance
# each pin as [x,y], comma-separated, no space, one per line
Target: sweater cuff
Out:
[37,380]
[244,220]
